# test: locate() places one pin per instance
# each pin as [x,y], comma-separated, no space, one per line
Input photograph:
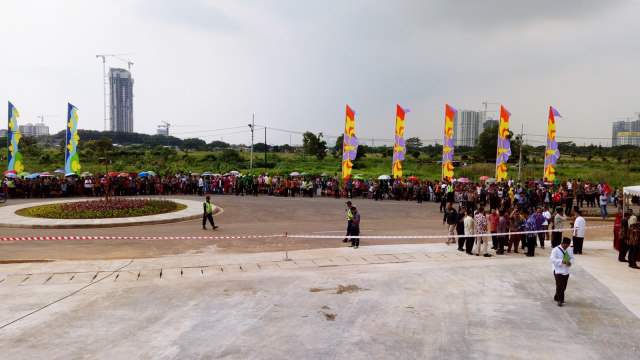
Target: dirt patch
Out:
[329,317]
[24,261]
[348,289]
[317,289]
[325,308]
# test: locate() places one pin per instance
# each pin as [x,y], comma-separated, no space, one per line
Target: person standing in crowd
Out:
[516,224]
[450,218]
[494,218]
[604,199]
[579,229]
[460,229]
[208,214]
[355,227]
[469,231]
[633,241]
[623,236]
[545,224]
[530,228]
[616,230]
[349,220]
[561,259]
[540,219]
[558,225]
[481,228]
[503,228]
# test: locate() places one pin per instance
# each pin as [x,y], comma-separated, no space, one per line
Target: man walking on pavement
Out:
[469,231]
[208,214]
[561,259]
[349,220]
[482,241]
[450,218]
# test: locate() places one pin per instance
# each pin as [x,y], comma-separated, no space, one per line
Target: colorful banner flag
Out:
[447,145]
[504,146]
[13,138]
[350,144]
[551,154]
[71,160]
[399,148]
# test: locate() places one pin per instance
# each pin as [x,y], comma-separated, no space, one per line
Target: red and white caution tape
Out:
[47,238]
[319,236]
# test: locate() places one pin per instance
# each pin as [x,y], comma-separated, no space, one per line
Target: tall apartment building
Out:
[121,100]
[625,133]
[490,122]
[29,129]
[467,126]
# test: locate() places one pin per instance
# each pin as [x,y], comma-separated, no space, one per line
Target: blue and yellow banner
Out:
[71,160]
[13,138]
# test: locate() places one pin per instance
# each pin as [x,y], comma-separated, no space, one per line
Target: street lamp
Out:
[251,126]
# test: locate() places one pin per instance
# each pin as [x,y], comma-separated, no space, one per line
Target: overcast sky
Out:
[204,65]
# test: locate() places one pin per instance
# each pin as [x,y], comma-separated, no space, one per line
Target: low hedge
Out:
[102,209]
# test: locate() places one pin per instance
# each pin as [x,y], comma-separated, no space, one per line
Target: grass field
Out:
[611,171]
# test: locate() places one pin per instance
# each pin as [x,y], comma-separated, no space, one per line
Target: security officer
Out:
[208,214]
[349,220]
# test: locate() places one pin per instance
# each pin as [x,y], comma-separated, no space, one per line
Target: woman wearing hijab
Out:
[616,228]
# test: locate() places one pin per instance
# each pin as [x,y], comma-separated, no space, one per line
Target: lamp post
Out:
[251,126]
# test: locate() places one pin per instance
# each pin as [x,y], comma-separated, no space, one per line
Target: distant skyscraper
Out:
[29,129]
[632,128]
[489,123]
[467,125]
[121,103]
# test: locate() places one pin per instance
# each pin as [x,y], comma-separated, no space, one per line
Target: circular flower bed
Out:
[102,209]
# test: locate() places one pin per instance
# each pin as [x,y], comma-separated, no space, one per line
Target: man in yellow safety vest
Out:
[208,214]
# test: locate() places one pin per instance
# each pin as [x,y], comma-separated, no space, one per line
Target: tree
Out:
[413,143]
[336,150]
[193,144]
[487,144]
[218,144]
[314,145]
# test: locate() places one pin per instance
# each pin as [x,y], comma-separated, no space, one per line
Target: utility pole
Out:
[519,137]
[252,125]
[265,149]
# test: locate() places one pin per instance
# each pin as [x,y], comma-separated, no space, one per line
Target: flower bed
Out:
[102,209]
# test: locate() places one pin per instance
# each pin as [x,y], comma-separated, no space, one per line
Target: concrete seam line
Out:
[64,297]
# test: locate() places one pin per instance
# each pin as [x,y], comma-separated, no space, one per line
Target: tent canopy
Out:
[631,190]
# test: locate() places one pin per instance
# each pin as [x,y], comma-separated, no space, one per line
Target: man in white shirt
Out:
[545,224]
[579,228]
[561,260]
[469,231]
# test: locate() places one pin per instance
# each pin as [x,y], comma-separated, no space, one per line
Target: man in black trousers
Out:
[208,214]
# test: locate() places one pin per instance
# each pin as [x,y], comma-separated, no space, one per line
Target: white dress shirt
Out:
[557,255]
[579,227]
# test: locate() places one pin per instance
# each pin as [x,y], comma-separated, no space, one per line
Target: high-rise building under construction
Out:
[121,100]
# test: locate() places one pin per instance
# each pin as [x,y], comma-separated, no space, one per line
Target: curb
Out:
[11,220]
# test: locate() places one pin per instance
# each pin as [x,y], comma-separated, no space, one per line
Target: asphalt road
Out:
[244,215]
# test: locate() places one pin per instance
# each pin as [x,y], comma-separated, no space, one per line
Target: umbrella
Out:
[491,180]
[133,174]
[112,174]
[24,173]
[70,174]
[484,178]
[207,173]
[59,171]
[324,174]
[151,173]
[11,172]
[142,174]
[195,174]
[233,172]
[304,173]
[358,177]
[295,173]
[123,175]
[384,177]
[11,175]
[86,174]
[413,178]
[32,176]
[539,182]
[46,174]
[227,175]
[464,180]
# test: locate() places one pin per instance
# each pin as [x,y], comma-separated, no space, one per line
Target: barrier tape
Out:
[445,236]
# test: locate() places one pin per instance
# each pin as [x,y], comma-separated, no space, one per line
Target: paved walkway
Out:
[9,218]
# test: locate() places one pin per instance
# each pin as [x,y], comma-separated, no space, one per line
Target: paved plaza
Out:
[240,298]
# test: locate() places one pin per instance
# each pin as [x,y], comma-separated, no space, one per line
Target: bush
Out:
[102,209]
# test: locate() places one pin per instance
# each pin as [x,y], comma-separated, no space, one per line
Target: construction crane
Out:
[106,79]
[486,103]
[42,117]
[165,126]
